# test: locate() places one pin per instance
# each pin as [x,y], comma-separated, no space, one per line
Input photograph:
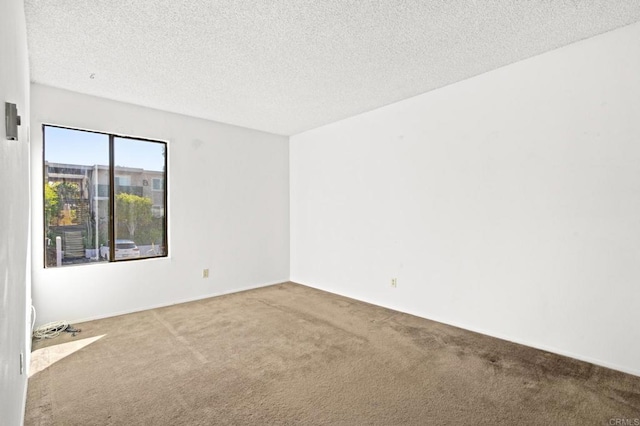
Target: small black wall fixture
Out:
[12,121]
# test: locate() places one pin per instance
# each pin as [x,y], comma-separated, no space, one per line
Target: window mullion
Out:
[112,198]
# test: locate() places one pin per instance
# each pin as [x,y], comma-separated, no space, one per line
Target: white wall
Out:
[508,203]
[15,291]
[228,211]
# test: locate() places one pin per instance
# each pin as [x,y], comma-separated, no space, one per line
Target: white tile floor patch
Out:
[43,358]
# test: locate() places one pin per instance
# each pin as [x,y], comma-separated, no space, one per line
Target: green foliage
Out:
[67,191]
[132,213]
[51,203]
[151,233]
[56,196]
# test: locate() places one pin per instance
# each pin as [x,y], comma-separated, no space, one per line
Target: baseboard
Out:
[489,333]
[175,302]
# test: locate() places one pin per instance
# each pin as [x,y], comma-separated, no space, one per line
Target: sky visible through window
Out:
[69,146]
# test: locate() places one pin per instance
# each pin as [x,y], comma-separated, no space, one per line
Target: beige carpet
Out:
[288,354]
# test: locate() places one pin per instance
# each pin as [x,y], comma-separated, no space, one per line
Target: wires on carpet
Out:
[50,330]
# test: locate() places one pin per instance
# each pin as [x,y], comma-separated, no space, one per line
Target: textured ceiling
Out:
[291,65]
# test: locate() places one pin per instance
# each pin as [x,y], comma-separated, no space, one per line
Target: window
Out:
[158,184]
[122,180]
[96,206]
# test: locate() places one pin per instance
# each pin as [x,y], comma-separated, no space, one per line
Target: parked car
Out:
[125,249]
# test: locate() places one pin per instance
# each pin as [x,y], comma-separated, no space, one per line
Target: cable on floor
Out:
[50,330]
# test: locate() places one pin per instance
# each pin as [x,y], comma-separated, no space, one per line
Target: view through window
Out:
[104,197]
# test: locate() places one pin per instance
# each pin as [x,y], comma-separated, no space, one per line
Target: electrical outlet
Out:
[394,282]
[205,273]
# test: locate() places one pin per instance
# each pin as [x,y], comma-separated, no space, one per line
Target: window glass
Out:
[122,181]
[76,196]
[78,201]
[158,184]
[138,225]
